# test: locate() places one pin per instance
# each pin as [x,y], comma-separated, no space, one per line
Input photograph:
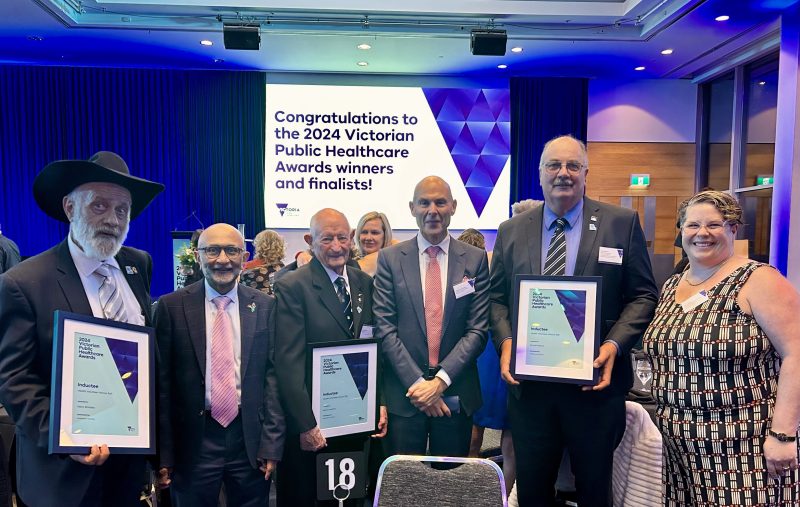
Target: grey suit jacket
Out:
[29,294]
[400,320]
[629,292]
[180,322]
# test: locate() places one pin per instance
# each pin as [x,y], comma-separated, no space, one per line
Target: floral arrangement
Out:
[186,259]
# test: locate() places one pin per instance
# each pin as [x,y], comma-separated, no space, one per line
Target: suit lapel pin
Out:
[593,218]
[131,270]
[252,307]
[358,309]
[592,227]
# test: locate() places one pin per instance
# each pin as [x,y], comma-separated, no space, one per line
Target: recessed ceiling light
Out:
[666,51]
[35,38]
[762,83]
[502,66]
[639,68]
[362,64]
[206,42]
[219,60]
[722,18]
[516,49]
[364,46]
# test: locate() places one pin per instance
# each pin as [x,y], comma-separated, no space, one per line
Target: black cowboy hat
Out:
[60,178]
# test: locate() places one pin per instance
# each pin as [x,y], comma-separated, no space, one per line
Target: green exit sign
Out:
[765,179]
[640,180]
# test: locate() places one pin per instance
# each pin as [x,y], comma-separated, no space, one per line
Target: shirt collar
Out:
[423,244]
[233,294]
[84,264]
[333,275]
[571,215]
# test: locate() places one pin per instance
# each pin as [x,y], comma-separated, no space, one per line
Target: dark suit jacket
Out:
[400,318]
[180,322]
[29,294]
[629,292]
[310,312]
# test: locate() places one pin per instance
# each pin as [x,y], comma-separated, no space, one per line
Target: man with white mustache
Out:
[88,273]
[572,235]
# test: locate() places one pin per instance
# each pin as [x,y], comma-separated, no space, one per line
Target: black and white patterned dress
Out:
[715,378]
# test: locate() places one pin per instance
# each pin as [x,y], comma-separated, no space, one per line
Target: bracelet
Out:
[781,437]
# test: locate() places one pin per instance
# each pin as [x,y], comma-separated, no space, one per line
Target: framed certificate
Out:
[344,384]
[103,386]
[557,332]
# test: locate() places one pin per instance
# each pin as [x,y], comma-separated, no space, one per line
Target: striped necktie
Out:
[556,262]
[344,299]
[110,297]
[224,399]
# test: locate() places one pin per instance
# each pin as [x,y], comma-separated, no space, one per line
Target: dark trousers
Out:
[448,436]
[297,472]
[222,459]
[549,417]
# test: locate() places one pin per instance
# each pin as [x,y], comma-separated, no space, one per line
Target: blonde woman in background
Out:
[270,249]
[373,233]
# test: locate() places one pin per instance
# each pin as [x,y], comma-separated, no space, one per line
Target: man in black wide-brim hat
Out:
[88,273]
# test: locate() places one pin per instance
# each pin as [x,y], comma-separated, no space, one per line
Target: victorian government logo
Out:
[285,210]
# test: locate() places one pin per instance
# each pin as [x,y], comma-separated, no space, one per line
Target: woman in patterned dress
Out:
[270,250]
[726,369]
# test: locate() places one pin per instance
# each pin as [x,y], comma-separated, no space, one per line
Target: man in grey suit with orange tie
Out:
[431,310]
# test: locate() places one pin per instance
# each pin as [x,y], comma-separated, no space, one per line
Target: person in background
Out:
[270,249]
[9,253]
[726,363]
[89,273]
[492,413]
[431,310]
[523,206]
[220,416]
[373,233]
[572,235]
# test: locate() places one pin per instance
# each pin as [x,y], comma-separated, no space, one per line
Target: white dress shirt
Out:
[233,312]
[91,284]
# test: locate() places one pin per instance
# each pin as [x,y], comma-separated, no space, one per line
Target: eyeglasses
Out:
[710,227]
[554,166]
[212,252]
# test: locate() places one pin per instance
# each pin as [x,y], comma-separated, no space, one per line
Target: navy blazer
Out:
[629,292]
[180,321]
[29,295]
[400,319]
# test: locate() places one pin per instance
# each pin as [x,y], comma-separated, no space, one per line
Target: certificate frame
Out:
[327,383]
[102,386]
[563,314]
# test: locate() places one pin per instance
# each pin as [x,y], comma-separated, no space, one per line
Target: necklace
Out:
[704,280]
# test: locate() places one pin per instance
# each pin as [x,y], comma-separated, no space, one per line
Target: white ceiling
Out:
[423,37]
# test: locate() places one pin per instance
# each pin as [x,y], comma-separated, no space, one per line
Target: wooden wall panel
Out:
[760,159]
[666,213]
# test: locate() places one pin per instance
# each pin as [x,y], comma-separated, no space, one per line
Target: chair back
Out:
[411,480]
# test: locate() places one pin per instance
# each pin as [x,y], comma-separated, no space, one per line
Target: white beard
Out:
[96,247]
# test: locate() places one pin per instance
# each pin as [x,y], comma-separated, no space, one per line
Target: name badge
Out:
[610,255]
[464,288]
[695,301]
[367,332]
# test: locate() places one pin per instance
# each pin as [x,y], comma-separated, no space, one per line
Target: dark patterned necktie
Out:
[344,299]
[556,262]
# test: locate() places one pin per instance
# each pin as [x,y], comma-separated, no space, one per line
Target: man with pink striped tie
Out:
[431,310]
[220,418]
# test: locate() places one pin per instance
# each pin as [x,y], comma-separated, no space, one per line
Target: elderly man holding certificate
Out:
[89,273]
[592,255]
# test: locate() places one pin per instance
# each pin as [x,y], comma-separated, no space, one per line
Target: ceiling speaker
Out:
[488,42]
[241,37]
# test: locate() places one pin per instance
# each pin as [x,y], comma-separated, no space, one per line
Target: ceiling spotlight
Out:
[722,18]
[762,83]
[35,38]
[206,42]
[666,51]
[639,68]
[219,60]
[364,46]
[516,49]
[502,66]
[362,64]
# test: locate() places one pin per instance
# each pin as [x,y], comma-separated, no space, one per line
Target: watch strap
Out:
[781,437]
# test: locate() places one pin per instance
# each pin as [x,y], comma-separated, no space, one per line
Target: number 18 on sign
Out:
[341,475]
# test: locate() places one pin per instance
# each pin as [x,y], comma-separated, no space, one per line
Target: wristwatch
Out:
[781,437]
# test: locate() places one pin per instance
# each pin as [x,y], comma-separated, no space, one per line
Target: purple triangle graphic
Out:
[476,127]
[574,304]
[126,358]
[358,364]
